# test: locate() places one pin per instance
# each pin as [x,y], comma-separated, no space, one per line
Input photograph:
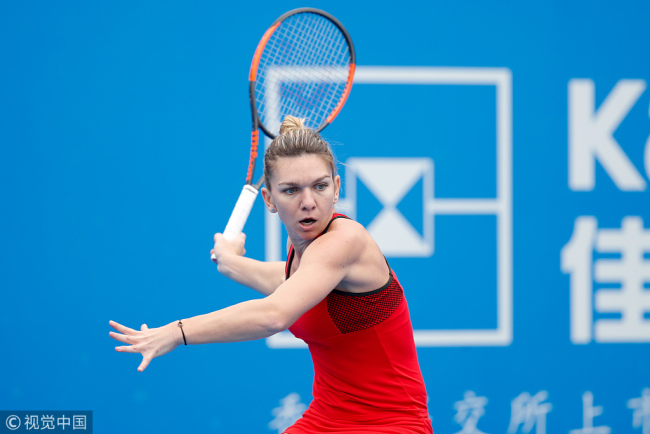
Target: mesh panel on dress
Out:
[352,313]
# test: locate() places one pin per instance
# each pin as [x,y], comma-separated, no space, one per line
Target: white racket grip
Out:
[240,212]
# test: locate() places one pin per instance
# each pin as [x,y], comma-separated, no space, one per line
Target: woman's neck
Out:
[300,244]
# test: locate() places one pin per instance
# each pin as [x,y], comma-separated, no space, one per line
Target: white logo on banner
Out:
[630,271]
[591,135]
[390,179]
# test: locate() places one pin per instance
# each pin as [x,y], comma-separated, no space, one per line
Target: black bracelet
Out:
[180,324]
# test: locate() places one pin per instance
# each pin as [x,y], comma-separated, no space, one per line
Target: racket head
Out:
[303,66]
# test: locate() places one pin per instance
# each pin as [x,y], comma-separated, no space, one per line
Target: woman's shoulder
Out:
[344,225]
[347,234]
[351,247]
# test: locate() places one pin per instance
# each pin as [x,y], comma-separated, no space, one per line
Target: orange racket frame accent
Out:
[255,137]
[260,48]
[346,92]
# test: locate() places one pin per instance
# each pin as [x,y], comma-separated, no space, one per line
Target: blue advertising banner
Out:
[498,152]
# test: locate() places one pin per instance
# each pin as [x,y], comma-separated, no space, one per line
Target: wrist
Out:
[180,338]
[224,262]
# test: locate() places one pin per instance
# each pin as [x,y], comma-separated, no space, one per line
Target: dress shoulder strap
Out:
[290,253]
[334,217]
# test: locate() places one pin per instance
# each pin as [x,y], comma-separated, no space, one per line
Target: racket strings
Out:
[303,71]
[303,45]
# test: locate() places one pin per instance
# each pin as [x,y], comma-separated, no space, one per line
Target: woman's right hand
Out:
[263,277]
[148,342]
[223,247]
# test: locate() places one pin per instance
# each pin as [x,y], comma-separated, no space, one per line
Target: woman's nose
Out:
[307,200]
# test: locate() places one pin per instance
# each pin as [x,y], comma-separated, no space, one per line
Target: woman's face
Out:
[303,192]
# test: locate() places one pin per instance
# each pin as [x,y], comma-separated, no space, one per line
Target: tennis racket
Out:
[303,67]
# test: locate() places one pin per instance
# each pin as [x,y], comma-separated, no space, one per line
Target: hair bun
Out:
[292,123]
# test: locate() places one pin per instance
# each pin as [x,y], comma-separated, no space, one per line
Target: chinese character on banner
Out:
[626,271]
[63,421]
[289,412]
[469,411]
[31,422]
[79,422]
[589,412]
[641,414]
[529,411]
[47,422]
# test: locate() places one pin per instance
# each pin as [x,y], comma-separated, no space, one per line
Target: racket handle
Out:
[240,213]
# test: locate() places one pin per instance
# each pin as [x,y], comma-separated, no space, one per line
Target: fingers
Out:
[130,336]
[127,349]
[240,237]
[120,328]
[144,364]
[122,338]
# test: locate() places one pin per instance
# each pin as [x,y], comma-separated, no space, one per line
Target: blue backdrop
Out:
[504,143]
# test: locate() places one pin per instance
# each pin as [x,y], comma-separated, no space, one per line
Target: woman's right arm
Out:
[263,277]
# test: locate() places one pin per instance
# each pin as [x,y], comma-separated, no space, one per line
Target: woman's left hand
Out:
[148,342]
[224,247]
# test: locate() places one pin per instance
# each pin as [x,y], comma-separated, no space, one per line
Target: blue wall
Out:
[124,131]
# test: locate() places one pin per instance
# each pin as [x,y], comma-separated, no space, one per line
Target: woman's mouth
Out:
[307,222]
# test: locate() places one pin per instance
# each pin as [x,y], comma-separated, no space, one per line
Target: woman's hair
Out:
[296,139]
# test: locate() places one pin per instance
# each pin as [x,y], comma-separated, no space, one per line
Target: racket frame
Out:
[252,76]
[249,192]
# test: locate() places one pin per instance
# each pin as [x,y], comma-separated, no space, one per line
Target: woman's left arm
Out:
[321,269]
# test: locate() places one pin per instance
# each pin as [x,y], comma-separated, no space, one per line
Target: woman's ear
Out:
[268,200]
[337,188]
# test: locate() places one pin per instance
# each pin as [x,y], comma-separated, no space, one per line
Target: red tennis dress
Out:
[366,373]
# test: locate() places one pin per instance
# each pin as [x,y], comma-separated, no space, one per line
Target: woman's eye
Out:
[321,186]
[291,190]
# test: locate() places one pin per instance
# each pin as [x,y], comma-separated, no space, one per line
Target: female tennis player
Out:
[335,291]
